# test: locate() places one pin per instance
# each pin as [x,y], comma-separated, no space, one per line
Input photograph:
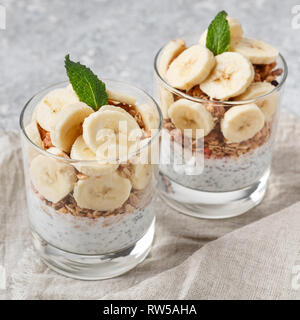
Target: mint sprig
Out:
[88,87]
[218,34]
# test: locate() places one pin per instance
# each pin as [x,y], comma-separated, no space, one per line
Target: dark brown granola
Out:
[216,109]
[138,199]
[266,72]
[216,146]
[197,93]
[45,137]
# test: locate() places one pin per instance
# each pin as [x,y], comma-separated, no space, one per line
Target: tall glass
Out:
[85,243]
[233,176]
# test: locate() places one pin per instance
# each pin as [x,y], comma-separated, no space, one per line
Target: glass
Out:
[233,176]
[84,243]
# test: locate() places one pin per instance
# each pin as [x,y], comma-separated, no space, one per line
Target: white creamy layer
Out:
[221,175]
[88,236]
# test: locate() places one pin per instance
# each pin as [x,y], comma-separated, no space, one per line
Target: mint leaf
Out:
[218,34]
[86,84]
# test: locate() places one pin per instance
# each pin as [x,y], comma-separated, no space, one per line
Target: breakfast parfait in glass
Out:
[89,157]
[228,88]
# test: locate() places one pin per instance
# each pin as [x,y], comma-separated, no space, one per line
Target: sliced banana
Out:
[48,110]
[120,97]
[191,67]
[170,51]
[110,130]
[141,177]
[149,116]
[231,76]
[80,151]
[119,109]
[166,98]
[57,152]
[52,178]
[236,32]
[33,117]
[33,134]
[202,39]
[258,52]
[103,193]
[242,122]
[267,105]
[186,114]
[69,126]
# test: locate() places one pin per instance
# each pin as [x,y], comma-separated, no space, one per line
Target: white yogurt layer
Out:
[220,175]
[88,236]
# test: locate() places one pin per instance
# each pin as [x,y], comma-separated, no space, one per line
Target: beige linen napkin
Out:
[238,258]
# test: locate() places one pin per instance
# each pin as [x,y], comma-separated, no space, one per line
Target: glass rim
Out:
[96,161]
[225,103]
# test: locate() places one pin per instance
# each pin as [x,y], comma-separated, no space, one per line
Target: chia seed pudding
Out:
[221,175]
[88,236]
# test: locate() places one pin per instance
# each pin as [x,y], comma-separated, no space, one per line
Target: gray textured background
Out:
[119,38]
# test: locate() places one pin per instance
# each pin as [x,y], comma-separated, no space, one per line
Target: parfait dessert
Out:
[227,87]
[90,180]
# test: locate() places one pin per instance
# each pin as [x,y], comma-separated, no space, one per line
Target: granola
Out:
[216,146]
[68,205]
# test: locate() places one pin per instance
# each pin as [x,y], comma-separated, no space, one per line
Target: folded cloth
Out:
[253,262]
[238,258]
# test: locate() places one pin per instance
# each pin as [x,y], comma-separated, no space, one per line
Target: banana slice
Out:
[104,193]
[169,53]
[166,98]
[258,52]
[52,178]
[33,134]
[120,97]
[241,123]
[191,67]
[69,126]
[149,116]
[80,151]
[186,114]
[118,109]
[48,110]
[105,129]
[267,105]
[232,76]
[33,117]
[57,152]
[141,177]
[236,32]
